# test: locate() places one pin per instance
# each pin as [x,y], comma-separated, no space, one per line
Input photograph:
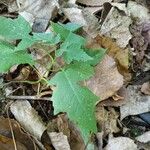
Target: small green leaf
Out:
[96,54]
[78,101]
[71,49]
[10,57]
[59,29]
[14,28]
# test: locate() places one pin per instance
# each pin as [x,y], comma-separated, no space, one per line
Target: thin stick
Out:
[11,128]
[28,97]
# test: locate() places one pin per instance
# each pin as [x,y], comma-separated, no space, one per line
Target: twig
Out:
[28,97]
[11,128]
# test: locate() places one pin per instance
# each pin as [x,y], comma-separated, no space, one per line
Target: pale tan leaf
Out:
[116,26]
[136,102]
[144,138]
[121,143]
[59,141]
[83,17]
[28,118]
[146,88]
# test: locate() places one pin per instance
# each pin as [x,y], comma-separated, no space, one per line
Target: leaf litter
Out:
[115,26]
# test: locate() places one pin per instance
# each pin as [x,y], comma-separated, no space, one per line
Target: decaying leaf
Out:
[73,15]
[144,138]
[121,143]
[8,143]
[134,9]
[116,26]
[121,99]
[107,120]
[59,141]
[38,11]
[107,80]
[23,141]
[64,125]
[83,17]
[136,103]
[138,40]
[120,55]
[28,118]
[44,62]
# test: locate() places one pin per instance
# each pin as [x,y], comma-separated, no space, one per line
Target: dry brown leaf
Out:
[121,143]
[110,101]
[120,55]
[83,17]
[8,144]
[93,2]
[107,120]
[146,88]
[136,103]
[116,26]
[23,140]
[107,80]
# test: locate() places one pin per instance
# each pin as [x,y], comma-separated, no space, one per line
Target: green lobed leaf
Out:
[10,57]
[61,30]
[14,28]
[71,97]
[71,49]
[96,54]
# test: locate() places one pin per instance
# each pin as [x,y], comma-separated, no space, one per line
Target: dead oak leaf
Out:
[120,55]
[107,80]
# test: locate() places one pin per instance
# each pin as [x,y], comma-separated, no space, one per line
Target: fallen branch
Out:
[35,97]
